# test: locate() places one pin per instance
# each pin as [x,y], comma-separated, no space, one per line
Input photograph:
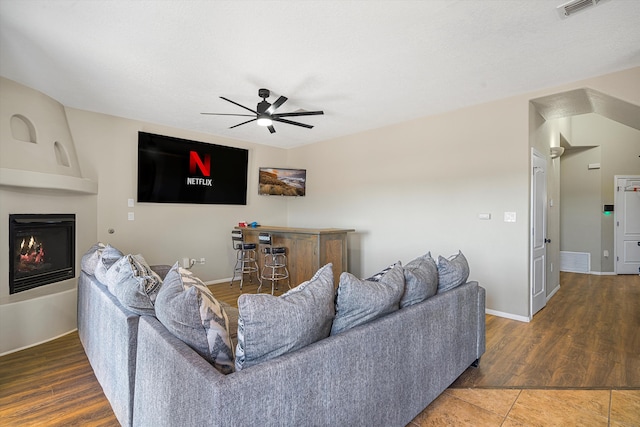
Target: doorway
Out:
[627,224]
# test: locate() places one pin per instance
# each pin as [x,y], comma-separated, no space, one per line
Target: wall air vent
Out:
[568,9]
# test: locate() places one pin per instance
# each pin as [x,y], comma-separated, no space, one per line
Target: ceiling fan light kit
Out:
[264,121]
[265,112]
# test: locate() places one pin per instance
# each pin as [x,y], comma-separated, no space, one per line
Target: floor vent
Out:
[575,262]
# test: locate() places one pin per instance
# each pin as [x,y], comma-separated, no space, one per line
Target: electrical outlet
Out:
[509,217]
[202,260]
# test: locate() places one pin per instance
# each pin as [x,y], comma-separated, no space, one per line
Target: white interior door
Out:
[627,224]
[538,232]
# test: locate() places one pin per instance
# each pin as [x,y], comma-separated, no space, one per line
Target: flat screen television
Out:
[175,170]
[282,182]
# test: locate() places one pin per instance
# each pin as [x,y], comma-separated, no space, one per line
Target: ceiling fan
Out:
[265,112]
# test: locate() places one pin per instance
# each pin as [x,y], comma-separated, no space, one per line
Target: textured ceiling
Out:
[365,63]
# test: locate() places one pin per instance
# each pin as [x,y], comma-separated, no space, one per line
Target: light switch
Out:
[509,217]
[130,203]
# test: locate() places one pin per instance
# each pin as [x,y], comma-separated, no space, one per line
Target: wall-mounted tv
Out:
[282,182]
[175,170]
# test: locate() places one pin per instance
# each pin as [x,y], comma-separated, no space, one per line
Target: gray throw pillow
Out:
[361,301]
[270,326]
[188,309]
[134,283]
[108,257]
[452,271]
[421,280]
[91,258]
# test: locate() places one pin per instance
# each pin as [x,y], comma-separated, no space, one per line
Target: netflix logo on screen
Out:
[203,165]
[175,170]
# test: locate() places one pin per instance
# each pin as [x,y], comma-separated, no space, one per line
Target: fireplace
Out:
[41,250]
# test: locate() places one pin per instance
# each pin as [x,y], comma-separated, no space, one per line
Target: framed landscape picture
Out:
[282,182]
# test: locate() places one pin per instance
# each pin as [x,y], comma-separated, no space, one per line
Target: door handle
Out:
[547,240]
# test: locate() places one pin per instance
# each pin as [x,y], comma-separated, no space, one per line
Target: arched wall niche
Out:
[62,156]
[22,129]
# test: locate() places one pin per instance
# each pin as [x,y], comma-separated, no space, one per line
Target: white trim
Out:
[553,292]
[38,343]
[603,273]
[215,282]
[508,315]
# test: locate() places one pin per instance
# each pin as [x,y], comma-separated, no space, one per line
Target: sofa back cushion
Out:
[134,283]
[188,309]
[452,271]
[361,301]
[270,326]
[421,280]
[91,258]
[108,256]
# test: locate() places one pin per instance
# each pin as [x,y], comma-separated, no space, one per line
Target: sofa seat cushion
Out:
[188,309]
[452,271]
[421,280]
[361,301]
[134,283]
[270,326]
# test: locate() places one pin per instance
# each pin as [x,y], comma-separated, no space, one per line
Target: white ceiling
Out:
[365,63]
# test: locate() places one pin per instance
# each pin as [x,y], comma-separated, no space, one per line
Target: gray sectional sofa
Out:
[381,373]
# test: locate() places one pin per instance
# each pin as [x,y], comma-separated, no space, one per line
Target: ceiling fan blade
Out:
[289,122]
[276,104]
[239,105]
[223,114]
[299,113]
[243,123]
[271,129]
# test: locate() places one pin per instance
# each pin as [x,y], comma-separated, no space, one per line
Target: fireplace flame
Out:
[31,253]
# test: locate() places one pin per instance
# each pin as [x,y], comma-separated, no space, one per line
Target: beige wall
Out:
[420,186]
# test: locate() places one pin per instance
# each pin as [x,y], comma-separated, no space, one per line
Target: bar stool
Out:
[275,262]
[246,259]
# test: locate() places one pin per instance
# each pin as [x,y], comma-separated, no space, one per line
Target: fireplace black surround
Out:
[41,250]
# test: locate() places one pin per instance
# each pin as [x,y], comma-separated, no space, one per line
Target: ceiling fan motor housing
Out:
[262,107]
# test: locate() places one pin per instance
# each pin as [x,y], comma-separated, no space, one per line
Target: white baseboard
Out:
[38,343]
[508,315]
[553,292]
[603,273]
[215,282]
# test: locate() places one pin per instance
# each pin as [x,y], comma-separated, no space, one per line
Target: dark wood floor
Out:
[588,336]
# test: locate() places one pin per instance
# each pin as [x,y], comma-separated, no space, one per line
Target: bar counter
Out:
[308,249]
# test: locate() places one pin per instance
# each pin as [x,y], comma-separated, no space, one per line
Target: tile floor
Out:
[532,408]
